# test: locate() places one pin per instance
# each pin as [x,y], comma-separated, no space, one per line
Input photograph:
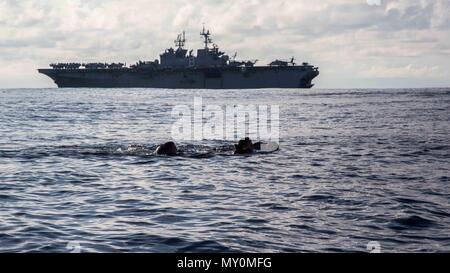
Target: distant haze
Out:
[356,43]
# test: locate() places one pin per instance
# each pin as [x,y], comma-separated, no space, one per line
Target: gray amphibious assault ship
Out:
[178,68]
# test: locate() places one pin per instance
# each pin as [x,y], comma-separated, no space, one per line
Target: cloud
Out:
[408,71]
[346,38]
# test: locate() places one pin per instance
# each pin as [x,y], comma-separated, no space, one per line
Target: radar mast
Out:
[181,40]
[207,40]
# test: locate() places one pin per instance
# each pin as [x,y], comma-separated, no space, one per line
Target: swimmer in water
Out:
[168,148]
[246,146]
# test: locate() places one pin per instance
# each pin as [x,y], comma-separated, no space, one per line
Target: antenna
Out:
[181,40]
[292,61]
[205,33]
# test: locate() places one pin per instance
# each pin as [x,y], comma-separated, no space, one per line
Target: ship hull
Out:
[208,78]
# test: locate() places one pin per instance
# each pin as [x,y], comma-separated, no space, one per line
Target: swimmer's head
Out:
[245,146]
[168,148]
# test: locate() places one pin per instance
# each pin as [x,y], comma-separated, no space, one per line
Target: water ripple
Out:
[354,166]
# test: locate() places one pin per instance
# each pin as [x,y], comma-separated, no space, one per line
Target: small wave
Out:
[439,148]
[411,222]
[444,179]
[274,206]
[174,241]
[114,150]
[319,197]
[256,221]
[411,201]
[170,219]
[204,246]
[9,198]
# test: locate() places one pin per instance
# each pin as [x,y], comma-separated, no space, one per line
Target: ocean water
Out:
[356,170]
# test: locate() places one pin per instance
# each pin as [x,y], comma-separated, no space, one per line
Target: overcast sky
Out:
[356,43]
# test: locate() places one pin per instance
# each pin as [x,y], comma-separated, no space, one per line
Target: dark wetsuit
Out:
[246,146]
[168,148]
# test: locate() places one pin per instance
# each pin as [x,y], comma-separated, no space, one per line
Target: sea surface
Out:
[357,170]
